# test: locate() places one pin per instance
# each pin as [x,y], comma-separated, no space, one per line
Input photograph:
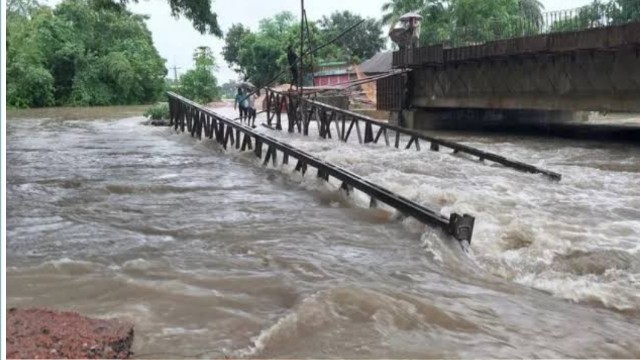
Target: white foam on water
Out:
[180,331]
[524,222]
[62,266]
[310,313]
[620,292]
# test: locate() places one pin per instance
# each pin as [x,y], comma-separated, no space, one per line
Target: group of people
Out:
[246,102]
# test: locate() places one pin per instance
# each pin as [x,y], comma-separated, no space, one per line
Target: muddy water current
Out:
[211,254]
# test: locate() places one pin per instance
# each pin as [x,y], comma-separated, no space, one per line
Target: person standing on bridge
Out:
[251,108]
[242,102]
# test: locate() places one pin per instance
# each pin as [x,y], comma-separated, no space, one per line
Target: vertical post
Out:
[306,24]
[301,63]
[268,95]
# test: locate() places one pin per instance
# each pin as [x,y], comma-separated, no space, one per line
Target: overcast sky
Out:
[176,39]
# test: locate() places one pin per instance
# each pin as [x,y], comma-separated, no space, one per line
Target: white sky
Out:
[176,39]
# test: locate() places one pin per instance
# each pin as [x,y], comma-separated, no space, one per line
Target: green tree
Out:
[624,11]
[259,56]
[29,81]
[362,43]
[459,22]
[262,58]
[91,54]
[232,41]
[200,84]
[479,21]
[198,11]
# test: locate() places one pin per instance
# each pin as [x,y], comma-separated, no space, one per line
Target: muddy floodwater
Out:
[210,254]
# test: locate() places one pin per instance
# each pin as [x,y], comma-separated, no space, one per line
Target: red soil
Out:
[38,334]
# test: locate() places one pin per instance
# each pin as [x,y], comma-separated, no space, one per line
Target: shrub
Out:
[158,111]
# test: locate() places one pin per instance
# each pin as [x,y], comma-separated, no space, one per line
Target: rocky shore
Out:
[47,334]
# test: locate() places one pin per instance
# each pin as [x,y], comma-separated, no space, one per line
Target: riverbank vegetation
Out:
[82,53]
[96,53]
[158,111]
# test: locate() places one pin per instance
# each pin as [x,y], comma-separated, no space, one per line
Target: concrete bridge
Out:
[549,76]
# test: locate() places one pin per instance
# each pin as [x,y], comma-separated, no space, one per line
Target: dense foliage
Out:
[360,44]
[83,52]
[199,84]
[467,21]
[259,56]
[459,22]
[158,111]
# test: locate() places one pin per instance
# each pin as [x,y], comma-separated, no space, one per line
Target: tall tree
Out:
[81,53]
[361,43]
[261,55]
[200,84]
[232,41]
[624,11]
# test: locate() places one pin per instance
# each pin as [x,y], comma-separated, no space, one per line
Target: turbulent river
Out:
[212,255]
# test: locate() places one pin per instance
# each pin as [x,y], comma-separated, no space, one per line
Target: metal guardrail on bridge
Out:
[187,116]
[300,112]
[599,38]
[532,22]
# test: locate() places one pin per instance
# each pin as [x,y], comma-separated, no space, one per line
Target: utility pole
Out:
[301,64]
[175,73]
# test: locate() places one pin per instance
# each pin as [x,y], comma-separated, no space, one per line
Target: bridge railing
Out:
[368,130]
[536,32]
[597,14]
[188,116]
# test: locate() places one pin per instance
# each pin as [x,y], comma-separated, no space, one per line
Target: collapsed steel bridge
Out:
[300,111]
[188,116]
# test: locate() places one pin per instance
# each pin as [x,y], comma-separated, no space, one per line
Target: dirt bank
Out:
[38,334]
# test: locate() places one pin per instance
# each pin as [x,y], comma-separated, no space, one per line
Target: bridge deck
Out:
[187,116]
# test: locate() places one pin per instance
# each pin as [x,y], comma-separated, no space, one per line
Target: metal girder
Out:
[353,119]
[458,226]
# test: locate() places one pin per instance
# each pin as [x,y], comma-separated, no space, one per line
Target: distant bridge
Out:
[594,69]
